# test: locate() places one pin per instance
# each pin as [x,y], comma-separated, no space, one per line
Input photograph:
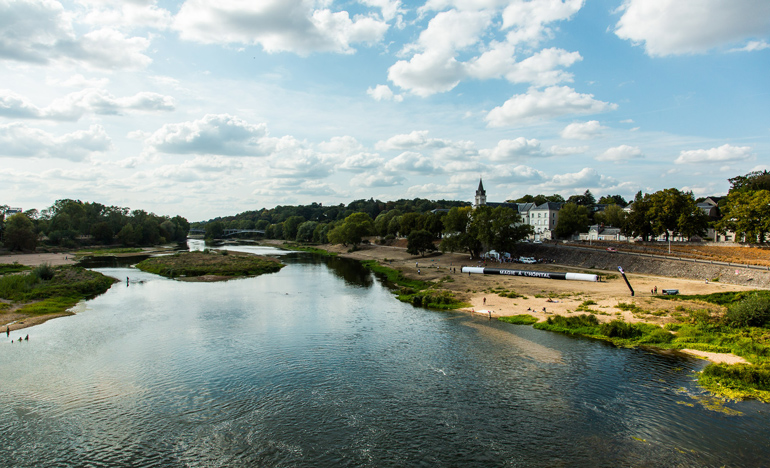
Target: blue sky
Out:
[212,108]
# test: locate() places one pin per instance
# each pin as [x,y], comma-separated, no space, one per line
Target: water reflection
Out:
[308,367]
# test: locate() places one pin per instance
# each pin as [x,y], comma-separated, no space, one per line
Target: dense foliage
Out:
[69,223]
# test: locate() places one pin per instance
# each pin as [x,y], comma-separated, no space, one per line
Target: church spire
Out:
[481,195]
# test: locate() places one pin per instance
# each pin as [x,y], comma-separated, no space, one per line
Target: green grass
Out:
[192,264]
[12,268]
[522,319]
[416,292]
[67,287]
[720,298]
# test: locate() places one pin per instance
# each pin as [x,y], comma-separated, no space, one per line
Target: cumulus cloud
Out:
[583,130]
[74,105]
[721,154]
[554,101]
[528,21]
[512,150]
[410,161]
[620,153]
[361,162]
[219,134]
[675,27]
[384,93]
[19,140]
[341,145]
[378,180]
[122,14]
[276,25]
[389,8]
[517,174]
[41,32]
[587,177]
[417,139]
[567,150]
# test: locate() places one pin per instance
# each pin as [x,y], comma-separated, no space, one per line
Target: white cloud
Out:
[541,69]
[583,130]
[220,134]
[75,105]
[675,27]
[361,162]
[19,140]
[123,14]
[752,46]
[551,102]
[276,25]
[417,139]
[528,20]
[512,150]
[620,153]
[343,145]
[80,81]
[410,161]
[518,174]
[42,32]
[389,8]
[587,177]
[378,180]
[721,154]
[384,93]
[567,150]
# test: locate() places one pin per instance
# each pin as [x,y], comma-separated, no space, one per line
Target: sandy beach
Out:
[35,259]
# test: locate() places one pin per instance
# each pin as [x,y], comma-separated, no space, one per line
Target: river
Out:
[320,366]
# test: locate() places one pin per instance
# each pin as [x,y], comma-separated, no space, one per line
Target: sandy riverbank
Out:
[35,259]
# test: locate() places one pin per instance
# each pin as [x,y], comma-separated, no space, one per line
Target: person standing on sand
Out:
[485,301]
[7,331]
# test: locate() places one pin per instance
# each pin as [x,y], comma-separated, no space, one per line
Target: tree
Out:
[573,219]
[214,230]
[507,229]
[290,227]
[305,231]
[19,233]
[587,199]
[613,215]
[747,214]
[613,200]
[638,221]
[753,181]
[102,232]
[456,232]
[352,230]
[420,242]
[409,222]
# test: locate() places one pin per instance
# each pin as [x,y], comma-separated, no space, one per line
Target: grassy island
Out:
[46,292]
[210,265]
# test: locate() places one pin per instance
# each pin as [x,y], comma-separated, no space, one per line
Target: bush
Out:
[658,336]
[44,272]
[753,311]
[619,329]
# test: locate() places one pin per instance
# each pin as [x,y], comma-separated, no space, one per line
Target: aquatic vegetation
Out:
[416,292]
[522,319]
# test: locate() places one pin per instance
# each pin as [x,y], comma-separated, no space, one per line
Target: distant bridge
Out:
[229,232]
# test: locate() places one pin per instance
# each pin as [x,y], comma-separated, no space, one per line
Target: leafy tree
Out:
[352,230]
[747,214]
[587,199]
[507,229]
[757,180]
[305,231]
[409,222]
[573,219]
[19,233]
[420,242]
[613,200]
[457,235]
[290,227]
[102,232]
[613,215]
[214,230]
[638,221]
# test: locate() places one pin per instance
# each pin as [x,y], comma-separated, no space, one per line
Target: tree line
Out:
[71,223]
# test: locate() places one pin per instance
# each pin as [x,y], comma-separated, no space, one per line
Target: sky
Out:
[211,108]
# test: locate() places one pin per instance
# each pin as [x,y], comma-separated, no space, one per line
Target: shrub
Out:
[658,336]
[44,271]
[753,311]
[619,329]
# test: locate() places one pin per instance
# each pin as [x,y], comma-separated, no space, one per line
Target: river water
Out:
[320,366]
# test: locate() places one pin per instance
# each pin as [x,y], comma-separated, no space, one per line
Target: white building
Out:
[542,218]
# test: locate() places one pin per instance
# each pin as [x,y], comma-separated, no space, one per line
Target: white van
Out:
[527,260]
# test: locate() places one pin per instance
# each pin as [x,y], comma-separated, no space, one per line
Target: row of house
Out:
[543,218]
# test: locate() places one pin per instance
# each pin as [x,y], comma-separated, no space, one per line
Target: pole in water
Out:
[623,273]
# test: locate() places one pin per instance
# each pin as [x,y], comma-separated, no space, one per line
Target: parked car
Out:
[611,249]
[537,242]
[527,260]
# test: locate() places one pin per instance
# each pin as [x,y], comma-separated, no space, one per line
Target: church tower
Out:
[481,196]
